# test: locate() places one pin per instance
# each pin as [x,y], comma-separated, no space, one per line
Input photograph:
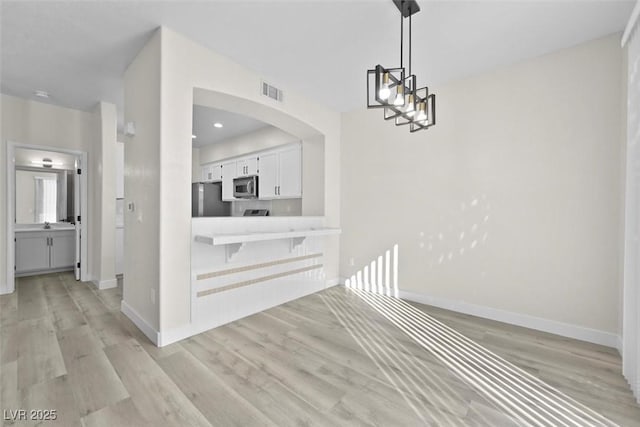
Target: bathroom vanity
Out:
[40,250]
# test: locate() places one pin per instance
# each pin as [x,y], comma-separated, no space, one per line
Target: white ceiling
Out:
[78,51]
[233,125]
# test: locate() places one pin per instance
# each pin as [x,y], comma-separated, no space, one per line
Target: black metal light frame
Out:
[430,104]
[396,76]
[408,83]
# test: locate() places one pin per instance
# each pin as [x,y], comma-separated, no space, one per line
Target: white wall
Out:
[313,176]
[631,300]
[142,184]
[512,201]
[196,176]
[261,139]
[184,66]
[103,191]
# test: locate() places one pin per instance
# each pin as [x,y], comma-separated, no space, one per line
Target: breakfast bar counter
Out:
[243,265]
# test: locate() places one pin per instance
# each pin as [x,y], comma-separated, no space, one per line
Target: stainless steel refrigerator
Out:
[206,200]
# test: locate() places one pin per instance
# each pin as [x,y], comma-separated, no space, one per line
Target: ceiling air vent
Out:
[271,91]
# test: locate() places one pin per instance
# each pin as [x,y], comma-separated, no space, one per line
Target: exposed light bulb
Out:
[384,91]
[422,113]
[399,96]
[410,110]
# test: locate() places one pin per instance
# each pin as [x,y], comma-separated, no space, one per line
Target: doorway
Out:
[46,211]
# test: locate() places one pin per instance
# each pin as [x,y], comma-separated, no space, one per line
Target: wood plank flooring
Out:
[335,358]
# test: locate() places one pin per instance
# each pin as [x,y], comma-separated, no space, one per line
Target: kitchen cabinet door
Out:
[228,175]
[212,172]
[268,176]
[216,172]
[290,176]
[32,251]
[247,167]
[63,249]
[206,173]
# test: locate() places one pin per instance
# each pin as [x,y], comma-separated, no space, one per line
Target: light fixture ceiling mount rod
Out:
[407,7]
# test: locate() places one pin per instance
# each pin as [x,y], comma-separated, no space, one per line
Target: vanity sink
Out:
[38,227]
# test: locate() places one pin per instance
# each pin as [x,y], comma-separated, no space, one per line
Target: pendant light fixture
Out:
[396,91]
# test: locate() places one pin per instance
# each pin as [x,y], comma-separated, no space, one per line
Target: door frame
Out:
[11,200]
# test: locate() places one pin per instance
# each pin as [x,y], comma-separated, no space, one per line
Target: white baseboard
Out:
[142,324]
[4,290]
[619,345]
[334,282]
[177,334]
[554,327]
[105,284]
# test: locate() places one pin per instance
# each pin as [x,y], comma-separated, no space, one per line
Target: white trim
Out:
[105,284]
[178,334]
[142,324]
[334,282]
[10,284]
[619,344]
[630,24]
[546,325]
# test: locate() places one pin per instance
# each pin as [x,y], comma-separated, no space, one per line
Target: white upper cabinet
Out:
[280,174]
[228,175]
[268,177]
[206,173]
[247,167]
[216,172]
[290,169]
[212,172]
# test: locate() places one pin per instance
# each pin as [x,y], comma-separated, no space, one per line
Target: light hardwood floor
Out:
[334,358]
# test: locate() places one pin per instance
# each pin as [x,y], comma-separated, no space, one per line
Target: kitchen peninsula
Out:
[244,265]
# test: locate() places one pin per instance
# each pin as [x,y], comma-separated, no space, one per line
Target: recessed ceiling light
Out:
[41,94]
[193,137]
[217,125]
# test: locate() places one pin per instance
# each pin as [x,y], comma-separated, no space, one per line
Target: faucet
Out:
[47,225]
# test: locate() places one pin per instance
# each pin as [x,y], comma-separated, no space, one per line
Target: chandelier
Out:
[396,91]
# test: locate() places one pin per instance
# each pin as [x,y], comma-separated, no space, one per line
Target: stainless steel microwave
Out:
[245,187]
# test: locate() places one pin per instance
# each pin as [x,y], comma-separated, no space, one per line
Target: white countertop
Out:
[40,227]
[230,238]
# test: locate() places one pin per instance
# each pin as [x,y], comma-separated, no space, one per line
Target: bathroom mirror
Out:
[44,185]
[41,196]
